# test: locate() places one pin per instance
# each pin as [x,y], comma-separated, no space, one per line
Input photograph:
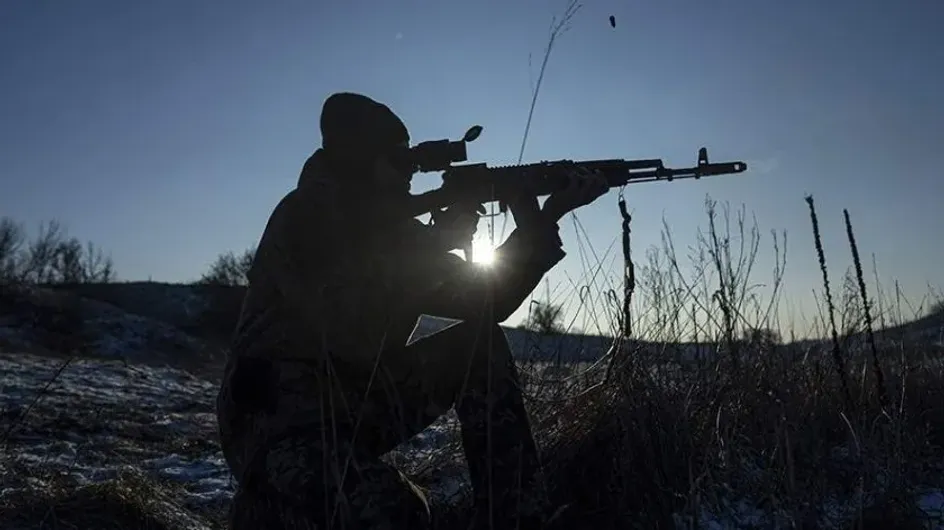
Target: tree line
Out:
[50,257]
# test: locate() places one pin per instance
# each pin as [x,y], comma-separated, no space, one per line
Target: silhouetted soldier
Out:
[320,382]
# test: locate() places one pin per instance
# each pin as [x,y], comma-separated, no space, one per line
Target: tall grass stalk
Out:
[866,308]
[830,306]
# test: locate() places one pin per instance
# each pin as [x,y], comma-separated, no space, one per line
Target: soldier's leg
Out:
[307,488]
[470,365]
[297,466]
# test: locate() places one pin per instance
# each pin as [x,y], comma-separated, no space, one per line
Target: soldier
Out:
[320,381]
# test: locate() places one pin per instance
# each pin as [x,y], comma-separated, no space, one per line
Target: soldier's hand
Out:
[584,187]
[455,227]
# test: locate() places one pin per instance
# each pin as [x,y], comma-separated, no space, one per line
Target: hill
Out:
[210,313]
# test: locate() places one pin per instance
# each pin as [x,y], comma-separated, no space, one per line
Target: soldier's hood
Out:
[334,188]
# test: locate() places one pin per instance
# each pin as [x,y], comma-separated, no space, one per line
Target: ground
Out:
[127,426]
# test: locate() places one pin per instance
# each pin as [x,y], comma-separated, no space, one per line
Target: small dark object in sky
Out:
[612,21]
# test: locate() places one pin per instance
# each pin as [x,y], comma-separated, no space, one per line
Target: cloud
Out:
[398,36]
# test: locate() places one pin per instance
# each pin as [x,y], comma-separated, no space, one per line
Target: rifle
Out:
[470,186]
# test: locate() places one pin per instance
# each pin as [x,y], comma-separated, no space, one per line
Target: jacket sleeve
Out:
[445,285]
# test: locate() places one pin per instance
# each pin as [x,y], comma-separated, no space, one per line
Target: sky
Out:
[167,131]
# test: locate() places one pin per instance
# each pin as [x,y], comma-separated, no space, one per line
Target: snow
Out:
[89,420]
[932,503]
[99,417]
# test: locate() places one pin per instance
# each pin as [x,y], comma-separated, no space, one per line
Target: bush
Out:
[129,502]
[230,269]
[545,318]
[937,308]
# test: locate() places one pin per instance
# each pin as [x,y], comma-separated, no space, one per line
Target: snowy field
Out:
[89,421]
[96,417]
[93,419]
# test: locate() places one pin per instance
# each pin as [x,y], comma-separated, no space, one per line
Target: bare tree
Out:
[98,267]
[67,265]
[11,243]
[50,257]
[39,265]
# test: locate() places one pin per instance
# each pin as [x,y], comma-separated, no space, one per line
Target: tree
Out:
[230,269]
[98,268]
[39,263]
[51,257]
[11,242]
[67,261]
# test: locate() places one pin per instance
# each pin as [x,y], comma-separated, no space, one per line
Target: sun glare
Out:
[482,252]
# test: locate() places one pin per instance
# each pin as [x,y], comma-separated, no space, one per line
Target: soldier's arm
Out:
[452,288]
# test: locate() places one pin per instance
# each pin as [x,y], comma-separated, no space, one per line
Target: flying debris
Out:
[612,21]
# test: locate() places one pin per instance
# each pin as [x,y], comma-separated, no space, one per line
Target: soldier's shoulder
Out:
[301,205]
[312,199]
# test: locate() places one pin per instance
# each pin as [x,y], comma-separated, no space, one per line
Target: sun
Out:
[483,253]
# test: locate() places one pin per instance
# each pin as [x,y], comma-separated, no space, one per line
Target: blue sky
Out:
[167,131]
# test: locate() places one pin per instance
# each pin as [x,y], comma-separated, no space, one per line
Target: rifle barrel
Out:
[664,173]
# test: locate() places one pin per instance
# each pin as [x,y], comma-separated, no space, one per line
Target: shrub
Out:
[230,269]
[545,318]
[937,308]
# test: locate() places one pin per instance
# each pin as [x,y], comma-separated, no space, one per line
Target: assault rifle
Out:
[518,186]
[481,184]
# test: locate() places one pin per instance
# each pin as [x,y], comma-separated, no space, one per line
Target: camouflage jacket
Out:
[332,275]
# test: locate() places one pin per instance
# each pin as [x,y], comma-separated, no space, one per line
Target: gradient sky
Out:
[167,131]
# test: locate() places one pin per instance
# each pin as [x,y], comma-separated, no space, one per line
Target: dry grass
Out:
[840,434]
[131,502]
[742,430]
[834,434]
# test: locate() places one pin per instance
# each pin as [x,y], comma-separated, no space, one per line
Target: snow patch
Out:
[102,417]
